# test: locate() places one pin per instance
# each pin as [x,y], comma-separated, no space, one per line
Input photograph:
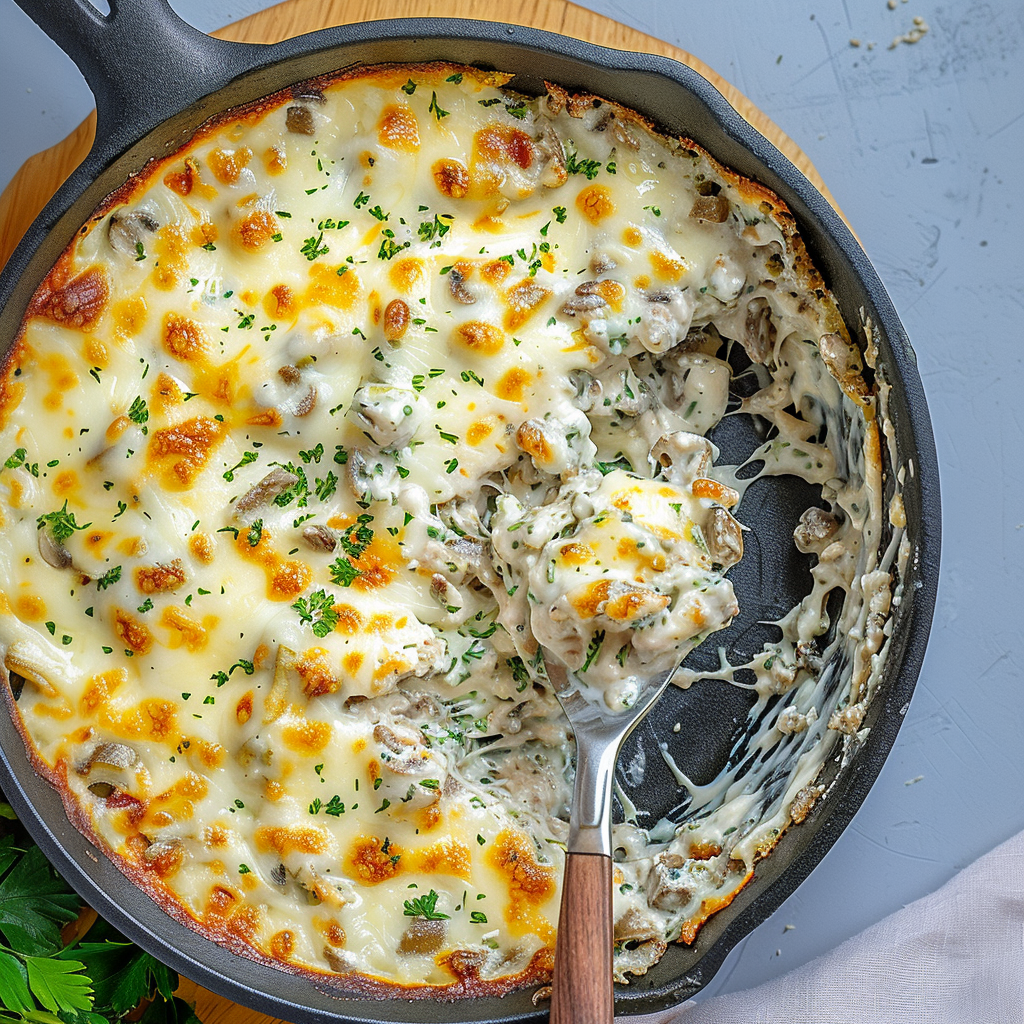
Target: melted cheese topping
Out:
[325,426]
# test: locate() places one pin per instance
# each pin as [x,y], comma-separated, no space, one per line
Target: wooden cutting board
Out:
[42,174]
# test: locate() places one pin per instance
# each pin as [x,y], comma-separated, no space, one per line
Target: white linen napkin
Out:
[954,957]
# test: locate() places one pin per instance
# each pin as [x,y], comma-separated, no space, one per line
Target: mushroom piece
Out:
[759,331]
[372,477]
[164,856]
[667,319]
[299,121]
[53,553]
[423,937]
[552,156]
[110,755]
[339,962]
[724,537]
[458,289]
[667,884]
[276,482]
[388,414]
[582,304]
[319,538]
[110,767]
[682,456]
[396,320]
[711,208]
[411,774]
[127,232]
[815,529]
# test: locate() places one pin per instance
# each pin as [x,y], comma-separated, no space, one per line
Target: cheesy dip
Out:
[328,429]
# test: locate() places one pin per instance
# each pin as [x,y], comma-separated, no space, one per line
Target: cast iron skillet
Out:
[156,79]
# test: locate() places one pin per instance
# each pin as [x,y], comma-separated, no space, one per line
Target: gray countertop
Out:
[922,146]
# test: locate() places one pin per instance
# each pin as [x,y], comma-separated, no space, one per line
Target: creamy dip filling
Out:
[329,423]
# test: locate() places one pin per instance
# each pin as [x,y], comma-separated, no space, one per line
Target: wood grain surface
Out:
[42,174]
[582,991]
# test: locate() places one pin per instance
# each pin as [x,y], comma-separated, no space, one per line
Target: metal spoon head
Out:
[600,731]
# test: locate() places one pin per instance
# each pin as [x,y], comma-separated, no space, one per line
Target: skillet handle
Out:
[142,61]
[581,990]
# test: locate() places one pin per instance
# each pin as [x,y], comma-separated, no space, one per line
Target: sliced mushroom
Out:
[815,529]
[274,483]
[458,289]
[388,414]
[582,304]
[423,937]
[588,389]
[552,156]
[724,538]
[759,331]
[711,208]
[53,553]
[396,320]
[320,538]
[372,477]
[299,121]
[602,263]
[667,319]
[668,885]
[683,456]
[340,962]
[165,856]
[111,755]
[128,232]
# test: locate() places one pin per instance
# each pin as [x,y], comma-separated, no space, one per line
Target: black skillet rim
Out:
[273,991]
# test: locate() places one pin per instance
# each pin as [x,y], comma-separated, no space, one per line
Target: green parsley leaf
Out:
[60,523]
[343,572]
[435,109]
[318,611]
[424,906]
[35,903]
[255,534]
[109,578]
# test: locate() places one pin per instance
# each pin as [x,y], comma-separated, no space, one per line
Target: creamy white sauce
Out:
[383,393]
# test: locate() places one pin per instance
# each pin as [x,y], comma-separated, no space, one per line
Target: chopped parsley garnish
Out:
[312,249]
[456,78]
[574,165]
[409,88]
[318,611]
[247,457]
[425,906]
[593,649]
[139,413]
[435,109]
[60,523]
[560,214]
[255,534]
[358,538]
[109,578]
[343,572]
[389,248]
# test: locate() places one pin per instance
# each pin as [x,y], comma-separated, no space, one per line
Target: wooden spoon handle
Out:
[581,991]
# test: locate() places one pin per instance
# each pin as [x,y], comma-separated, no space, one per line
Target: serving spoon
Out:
[582,991]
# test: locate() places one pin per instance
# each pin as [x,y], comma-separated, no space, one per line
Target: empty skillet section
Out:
[670,104]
